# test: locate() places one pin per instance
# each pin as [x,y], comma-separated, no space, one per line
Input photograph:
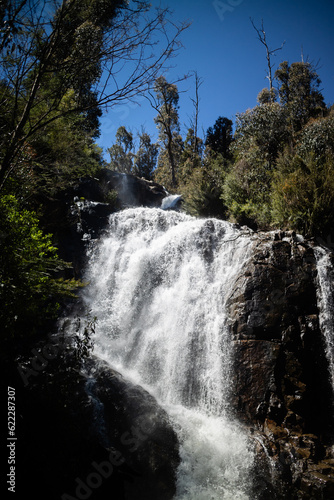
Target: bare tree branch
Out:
[198,83]
[124,58]
[261,34]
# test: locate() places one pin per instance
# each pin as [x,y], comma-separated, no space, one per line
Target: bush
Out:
[202,188]
[30,292]
[247,193]
[303,194]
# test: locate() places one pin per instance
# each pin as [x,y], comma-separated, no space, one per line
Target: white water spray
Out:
[159,282]
[325,292]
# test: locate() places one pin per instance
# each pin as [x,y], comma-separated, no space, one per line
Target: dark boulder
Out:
[141,431]
[91,435]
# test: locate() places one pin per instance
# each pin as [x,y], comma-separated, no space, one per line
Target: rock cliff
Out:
[81,213]
[281,384]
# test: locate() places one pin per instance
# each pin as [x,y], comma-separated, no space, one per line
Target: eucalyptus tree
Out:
[146,157]
[262,37]
[166,103]
[121,155]
[194,120]
[261,133]
[299,92]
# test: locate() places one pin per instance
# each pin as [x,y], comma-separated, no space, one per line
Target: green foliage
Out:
[277,170]
[121,157]
[219,137]
[190,158]
[60,155]
[263,129]
[164,173]
[146,157]
[267,96]
[318,137]
[299,92]
[167,121]
[303,194]
[260,135]
[202,188]
[30,292]
[247,192]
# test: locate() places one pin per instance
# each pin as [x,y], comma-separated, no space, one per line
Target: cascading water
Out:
[159,282]
[325,293]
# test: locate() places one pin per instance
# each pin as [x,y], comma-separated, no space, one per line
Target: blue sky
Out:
[222,46]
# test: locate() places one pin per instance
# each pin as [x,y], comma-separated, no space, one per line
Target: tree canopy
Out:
[62,63]
[98,52]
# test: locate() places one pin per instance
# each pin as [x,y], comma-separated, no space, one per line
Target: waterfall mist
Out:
[158,286]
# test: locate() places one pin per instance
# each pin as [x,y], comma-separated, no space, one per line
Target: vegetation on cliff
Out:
[60,66]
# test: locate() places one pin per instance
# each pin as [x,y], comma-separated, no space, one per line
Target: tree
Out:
[261,34]
[317,137]
[267,96]
[299,92]
[64,152]
[194,121]
[51,47]
[303,194]
[146,157]
[191,156]
[30,291]
[121,157]
[262,129]
[219,137]
[260,136]
[162,174]
[166,103]
[202,188]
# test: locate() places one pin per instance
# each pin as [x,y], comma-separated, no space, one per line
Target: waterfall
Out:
[325,293]
[158,284]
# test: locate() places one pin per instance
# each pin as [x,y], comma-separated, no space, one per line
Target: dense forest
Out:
[61,66]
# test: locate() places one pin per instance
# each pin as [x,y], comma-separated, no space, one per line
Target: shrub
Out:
[303,194]
[30,291]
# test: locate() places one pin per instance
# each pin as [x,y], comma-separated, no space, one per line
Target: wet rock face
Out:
[132,190]
[83,212]
[281,382]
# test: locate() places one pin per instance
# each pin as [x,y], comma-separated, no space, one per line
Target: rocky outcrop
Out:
[121,189]
[90,434]
[81,213]
[132,190]
[281,380]
[140,430]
